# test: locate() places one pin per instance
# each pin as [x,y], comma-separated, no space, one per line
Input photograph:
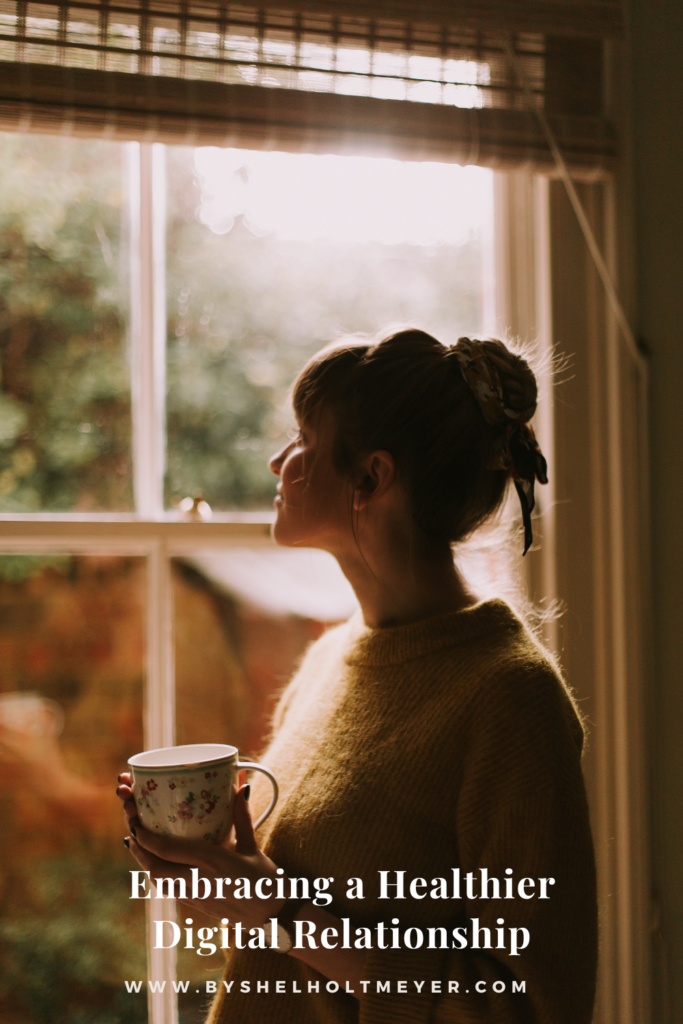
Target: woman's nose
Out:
[275,463]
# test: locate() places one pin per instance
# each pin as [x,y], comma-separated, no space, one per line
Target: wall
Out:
[657,98]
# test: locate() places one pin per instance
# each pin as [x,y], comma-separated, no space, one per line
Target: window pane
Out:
[71,679]
[65,385]
[242,621]
[270,255]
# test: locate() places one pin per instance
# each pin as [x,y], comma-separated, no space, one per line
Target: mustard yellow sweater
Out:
[445,744]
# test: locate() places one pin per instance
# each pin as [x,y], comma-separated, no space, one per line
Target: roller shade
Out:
[309,76]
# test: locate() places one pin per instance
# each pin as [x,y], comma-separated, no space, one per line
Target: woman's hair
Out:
[406,394]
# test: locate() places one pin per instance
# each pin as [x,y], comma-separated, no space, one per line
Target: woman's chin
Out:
[287,535]
[281,534]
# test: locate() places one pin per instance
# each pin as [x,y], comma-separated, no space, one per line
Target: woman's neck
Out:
[398,585]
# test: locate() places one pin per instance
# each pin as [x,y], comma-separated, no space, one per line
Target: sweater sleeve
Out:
[520,806]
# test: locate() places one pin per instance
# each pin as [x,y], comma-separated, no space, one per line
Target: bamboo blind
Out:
[213,71]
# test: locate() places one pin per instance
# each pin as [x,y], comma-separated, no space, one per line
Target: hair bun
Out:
[516,377]
[457,438]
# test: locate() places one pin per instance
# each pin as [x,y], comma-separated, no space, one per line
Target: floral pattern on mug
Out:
[185,804]
[144,797]
[186,807]
[209,801]
[193,801]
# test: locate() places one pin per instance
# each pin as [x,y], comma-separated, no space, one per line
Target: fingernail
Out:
[133,832]
[247,791]
[117,790]
[118,778]
[126,843]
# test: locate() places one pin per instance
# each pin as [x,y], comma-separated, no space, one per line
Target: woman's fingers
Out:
[124,790]
[130,811]
[196,852]
[124,793]
[245,841]
[130,815]
[157,867]
[171,857]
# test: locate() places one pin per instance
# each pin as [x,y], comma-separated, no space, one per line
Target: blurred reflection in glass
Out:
[243,619]
[65,418]
[71,684]
[270,255]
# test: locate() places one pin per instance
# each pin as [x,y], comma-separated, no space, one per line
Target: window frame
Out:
[593,562]
[535,262]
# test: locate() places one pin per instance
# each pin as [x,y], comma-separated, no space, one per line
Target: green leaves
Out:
[65,421]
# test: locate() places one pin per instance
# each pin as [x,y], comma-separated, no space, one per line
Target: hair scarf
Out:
[517,449]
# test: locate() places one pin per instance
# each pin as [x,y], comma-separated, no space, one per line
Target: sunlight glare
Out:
[352,199]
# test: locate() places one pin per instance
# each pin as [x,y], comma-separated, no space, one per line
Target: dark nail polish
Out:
[126,843]
[117,790]
[118,779]
[133,832]
[247,791]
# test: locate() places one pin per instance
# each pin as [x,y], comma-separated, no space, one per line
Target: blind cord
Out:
[584,224]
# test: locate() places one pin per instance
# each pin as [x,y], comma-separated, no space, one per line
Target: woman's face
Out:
[312,502]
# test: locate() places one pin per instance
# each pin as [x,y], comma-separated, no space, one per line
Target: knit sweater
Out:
[450,743]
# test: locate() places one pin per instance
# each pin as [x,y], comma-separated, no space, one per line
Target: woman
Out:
[427,752]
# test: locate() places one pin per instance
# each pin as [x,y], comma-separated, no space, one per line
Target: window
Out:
[156,302]
[328,78]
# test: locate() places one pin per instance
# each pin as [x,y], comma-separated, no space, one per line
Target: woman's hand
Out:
[172,857]
[169,857]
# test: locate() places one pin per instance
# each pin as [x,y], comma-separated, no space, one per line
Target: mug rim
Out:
[231,754]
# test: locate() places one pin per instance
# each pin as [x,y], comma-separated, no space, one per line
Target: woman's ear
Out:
[376,474]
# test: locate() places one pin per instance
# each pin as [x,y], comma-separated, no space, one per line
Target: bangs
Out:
[327,378]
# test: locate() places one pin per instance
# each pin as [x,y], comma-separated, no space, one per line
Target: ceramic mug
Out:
[31,713]
[189,791]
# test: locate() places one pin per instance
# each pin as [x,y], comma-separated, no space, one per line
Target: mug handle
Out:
[252,766]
